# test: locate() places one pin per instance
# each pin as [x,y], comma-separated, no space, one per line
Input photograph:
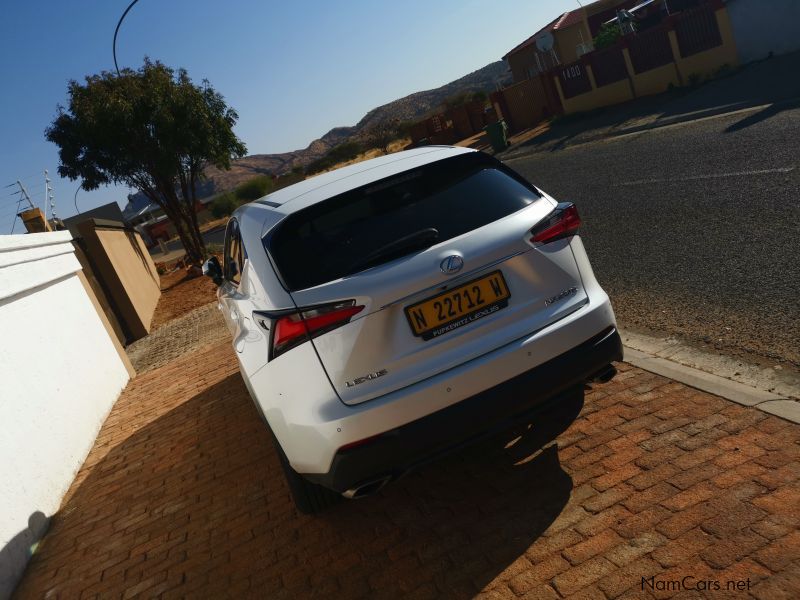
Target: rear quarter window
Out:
[327,240]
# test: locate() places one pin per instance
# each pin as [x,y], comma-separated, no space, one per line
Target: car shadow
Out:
[195,502]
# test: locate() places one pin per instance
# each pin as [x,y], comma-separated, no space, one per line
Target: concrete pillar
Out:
[626,54]
[34,220]
[676,56]
[590,73]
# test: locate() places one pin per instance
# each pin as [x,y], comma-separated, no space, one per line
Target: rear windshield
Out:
[330,240]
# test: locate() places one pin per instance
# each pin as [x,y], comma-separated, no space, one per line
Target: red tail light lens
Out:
[293,329]
[563,222]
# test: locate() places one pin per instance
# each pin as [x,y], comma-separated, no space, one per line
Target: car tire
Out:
[309,498]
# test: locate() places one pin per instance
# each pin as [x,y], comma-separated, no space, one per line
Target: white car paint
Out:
[302,393]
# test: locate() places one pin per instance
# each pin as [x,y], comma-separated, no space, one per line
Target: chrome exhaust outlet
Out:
[365,489]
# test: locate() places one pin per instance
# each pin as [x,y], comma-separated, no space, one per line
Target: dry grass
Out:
[395,146]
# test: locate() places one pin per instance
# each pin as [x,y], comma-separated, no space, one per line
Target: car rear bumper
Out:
[312,424]
[403,448]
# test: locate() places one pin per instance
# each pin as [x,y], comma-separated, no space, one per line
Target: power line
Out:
[16,192]
[116,31]
[9,214]
[13,183]
[16,216]
[24,194]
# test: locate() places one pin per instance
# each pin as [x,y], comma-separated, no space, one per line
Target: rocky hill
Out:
[413,106]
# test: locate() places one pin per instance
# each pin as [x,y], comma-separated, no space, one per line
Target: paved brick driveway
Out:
[182,496]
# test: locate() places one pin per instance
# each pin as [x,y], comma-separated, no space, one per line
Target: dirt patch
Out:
[181,294]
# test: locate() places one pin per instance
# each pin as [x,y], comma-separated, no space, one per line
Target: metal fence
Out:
[650,49]
[608,65]
[697,30]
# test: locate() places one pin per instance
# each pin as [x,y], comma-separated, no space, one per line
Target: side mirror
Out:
[212,269]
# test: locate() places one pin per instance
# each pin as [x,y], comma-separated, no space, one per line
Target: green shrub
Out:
[340,153]
[608,35]
[345,151]
[289,179]
[223,205]
[254,188]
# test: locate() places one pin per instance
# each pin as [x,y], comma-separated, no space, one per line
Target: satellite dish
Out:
[544,41]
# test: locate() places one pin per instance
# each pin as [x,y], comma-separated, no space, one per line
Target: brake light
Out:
[563,222]
[293,329]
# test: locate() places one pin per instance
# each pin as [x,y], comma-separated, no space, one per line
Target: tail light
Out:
[563,222]
[288,330]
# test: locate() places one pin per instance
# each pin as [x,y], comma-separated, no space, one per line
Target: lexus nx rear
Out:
[387,312]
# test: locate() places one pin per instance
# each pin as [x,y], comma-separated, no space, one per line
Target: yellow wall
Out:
[127,271]
[704,64]
[99,295]
[567,41]
[135,269]
[614,93]
[107,323]
[651,82]
[655,81]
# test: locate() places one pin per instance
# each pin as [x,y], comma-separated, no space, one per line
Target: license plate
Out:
[458,307]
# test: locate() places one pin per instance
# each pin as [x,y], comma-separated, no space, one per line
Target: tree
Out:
[383,133]
[223,205]
[608,35]
[151,129]
[254,188]
[338,154]
[462,98]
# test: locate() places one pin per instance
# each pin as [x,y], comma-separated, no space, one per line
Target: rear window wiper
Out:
[419,240]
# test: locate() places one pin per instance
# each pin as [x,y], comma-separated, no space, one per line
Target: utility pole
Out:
[24,193]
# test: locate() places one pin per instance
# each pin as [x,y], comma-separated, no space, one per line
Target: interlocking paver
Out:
[182,496]
[193,330]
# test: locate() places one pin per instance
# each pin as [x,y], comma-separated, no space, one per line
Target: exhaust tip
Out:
[368,488]
[606,374]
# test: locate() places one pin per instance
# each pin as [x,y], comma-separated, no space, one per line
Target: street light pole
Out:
[116,31]
[75,200]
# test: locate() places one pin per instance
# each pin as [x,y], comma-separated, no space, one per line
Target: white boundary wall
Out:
[60,374]
[764,26]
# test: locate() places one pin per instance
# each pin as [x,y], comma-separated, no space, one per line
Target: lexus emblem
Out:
[451,264]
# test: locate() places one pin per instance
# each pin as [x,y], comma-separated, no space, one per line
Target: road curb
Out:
[707,113]
[784,406]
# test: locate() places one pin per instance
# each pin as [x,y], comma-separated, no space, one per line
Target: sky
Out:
[292,69]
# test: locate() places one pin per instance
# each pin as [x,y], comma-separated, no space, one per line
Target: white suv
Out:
[387,312]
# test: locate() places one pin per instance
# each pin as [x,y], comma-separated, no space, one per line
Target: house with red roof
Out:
[563,40]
